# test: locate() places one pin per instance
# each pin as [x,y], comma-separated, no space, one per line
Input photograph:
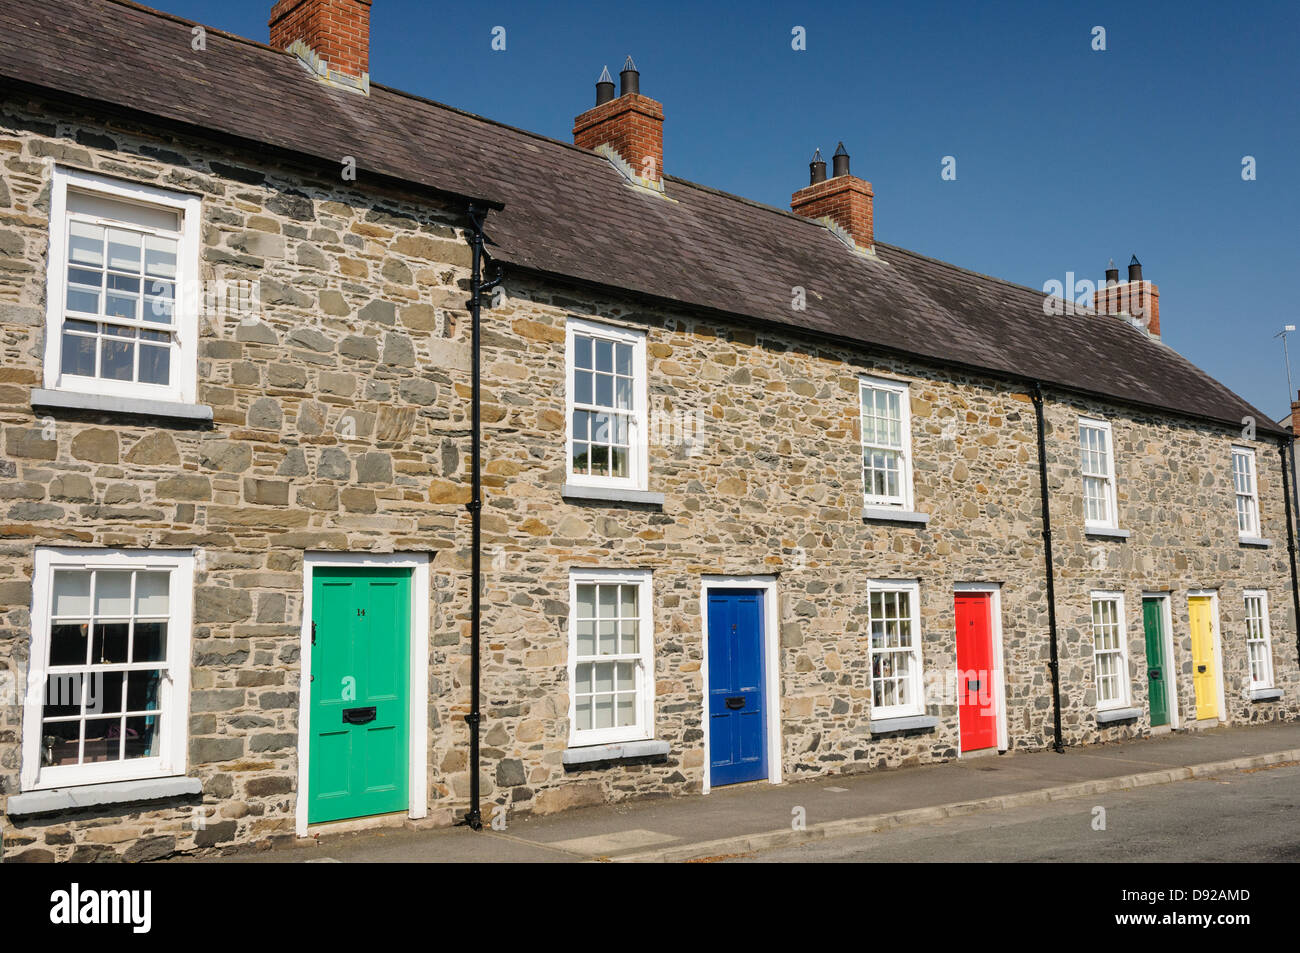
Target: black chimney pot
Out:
[840,162]
[817,169]
[1112,274]
[629,78]
[1134,269]
[604,88]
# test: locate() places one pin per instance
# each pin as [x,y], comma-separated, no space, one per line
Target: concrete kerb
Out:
[767,840]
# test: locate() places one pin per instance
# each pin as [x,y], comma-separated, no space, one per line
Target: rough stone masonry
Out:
[340,425]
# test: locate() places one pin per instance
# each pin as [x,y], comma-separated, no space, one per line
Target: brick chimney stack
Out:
[332,37]
[631,125]
[1136,299]
[843,198]
[1295,415]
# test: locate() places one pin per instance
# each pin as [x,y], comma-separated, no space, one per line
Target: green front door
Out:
[1157,681]
[360,652]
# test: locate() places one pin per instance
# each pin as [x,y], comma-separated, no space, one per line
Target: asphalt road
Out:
[1245,816]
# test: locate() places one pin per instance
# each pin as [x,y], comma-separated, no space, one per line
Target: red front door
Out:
[976,700]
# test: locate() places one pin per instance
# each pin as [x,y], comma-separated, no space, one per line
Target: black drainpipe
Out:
[1037,397]
[473,817]
[1290,540]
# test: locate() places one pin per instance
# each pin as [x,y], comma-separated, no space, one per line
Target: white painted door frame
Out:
[999,675]
[1217,643]
[771,664]
[1171,667]
[418,716]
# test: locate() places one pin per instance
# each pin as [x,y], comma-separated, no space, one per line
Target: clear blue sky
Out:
[1066,157]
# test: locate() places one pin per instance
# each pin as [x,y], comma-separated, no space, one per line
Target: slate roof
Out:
[567,212]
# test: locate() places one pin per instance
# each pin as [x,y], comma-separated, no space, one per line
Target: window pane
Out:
[78,355]
[86,244]
[618,462]
[108,642]
[62,695]
[582,387]
[116,359]
[123,250]
[83,299]
[107,699]
[68,644]
[149,642]
[608,629]
[629,637]
[155,365]
[626,714]
[586,601]
[160,256]
[582,712]
[103,740]
[603,677]
[582,679]
[623,393]
[626,677]
[117,305]
[604,714]
[605,356]
[71,594]
[142,690]
[628,601]
[141,736]
[581,351]
[112,594]
[604,390]
[59,743]
[159,302]
[607,601]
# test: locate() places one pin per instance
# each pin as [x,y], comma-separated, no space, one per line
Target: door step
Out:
[353,824]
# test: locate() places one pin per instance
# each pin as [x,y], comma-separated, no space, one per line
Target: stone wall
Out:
[336,406]
[340,424]
[772,485]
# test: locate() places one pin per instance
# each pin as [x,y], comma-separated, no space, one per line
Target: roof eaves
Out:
[206,132]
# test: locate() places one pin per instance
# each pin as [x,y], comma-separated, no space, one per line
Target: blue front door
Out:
[737,717]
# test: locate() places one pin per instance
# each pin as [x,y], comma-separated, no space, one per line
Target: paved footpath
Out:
[760,816]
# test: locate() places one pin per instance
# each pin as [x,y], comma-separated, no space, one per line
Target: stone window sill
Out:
[111,404]
[93,795]
[1106,532]
[1111,715]
[623,751]
[884,726]
[611,494]
[889,514]
[1265,694]
[1254,541]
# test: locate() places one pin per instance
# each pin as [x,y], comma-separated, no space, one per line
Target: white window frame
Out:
[904,500]
[1112,507]
[184,361]
[912,587]
[175,686]
[643,729]
[1264,638]
[638,469]
[1248,454]
[1125,677]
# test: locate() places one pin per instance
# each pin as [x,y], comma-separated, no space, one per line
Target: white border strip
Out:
[418,718]
[771,664]
[999,666]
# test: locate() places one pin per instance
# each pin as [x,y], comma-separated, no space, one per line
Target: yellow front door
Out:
[1204,665]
